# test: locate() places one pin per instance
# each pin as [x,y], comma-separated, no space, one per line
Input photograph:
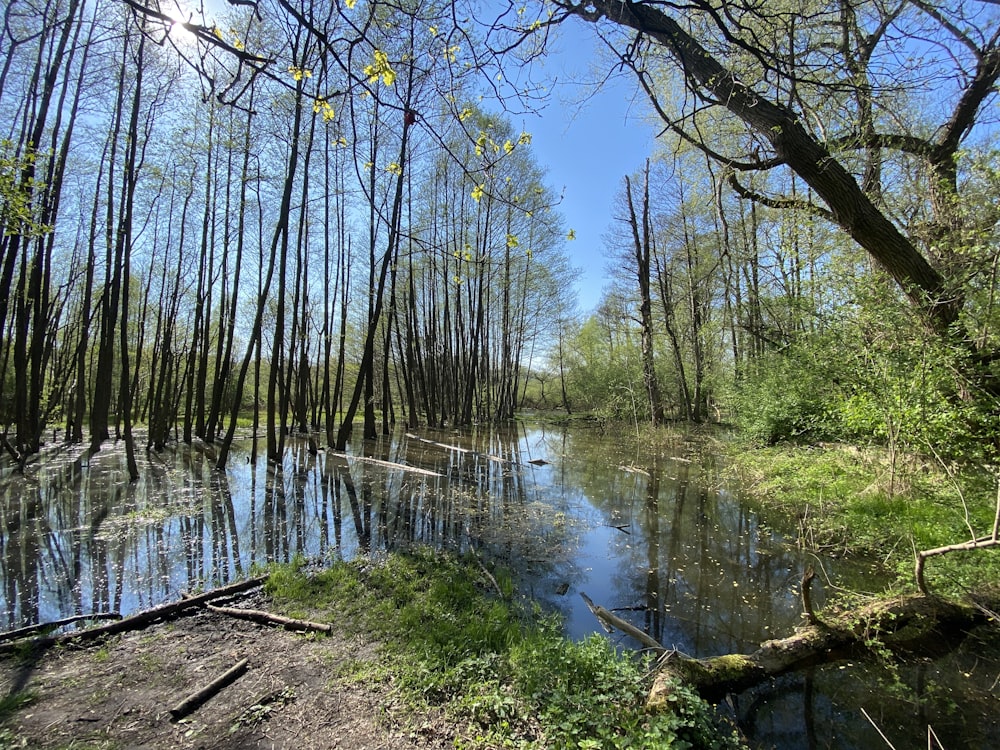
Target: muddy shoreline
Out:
[118,692]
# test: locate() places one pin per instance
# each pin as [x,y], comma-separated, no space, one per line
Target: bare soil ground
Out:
[118,693]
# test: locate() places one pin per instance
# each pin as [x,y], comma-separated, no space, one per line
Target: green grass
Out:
[852,501]
[502,672]
[14,702]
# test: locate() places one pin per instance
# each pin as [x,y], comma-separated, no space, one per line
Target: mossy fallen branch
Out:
[901,625]
[611,621]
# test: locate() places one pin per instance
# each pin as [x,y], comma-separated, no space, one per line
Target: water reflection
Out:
[651,536]
[691,565]
[77,537]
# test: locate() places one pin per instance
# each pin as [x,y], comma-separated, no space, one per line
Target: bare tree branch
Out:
[850,207]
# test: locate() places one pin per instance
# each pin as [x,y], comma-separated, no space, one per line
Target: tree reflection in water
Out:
[651,534]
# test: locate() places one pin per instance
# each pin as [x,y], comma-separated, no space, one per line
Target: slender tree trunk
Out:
[642,240]
[201,340]
[279,240]
[104,377]
[230,331]
[366,369]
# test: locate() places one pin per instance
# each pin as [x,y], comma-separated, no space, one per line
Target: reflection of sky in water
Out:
[652,538]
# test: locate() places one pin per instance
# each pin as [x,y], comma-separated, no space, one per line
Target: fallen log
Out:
[487,456]
[147,617]
[197,698]
[455,448]
[269,618]
[41,627]
[345,458]
[902,625]
[613,621]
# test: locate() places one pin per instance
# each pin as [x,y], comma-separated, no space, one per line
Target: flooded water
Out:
[659,539]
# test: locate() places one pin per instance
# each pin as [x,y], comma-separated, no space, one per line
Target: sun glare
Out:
[178,31]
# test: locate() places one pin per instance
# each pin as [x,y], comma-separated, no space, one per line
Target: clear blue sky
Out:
[588,148]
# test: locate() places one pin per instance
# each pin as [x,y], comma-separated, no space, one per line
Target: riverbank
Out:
[650,528]
[118,693]
[426,651]
[863,502]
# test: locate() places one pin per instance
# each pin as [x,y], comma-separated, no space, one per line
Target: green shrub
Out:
[786,396]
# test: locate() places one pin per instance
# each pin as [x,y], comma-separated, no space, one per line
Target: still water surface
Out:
[655,536]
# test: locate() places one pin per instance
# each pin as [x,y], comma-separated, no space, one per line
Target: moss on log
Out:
[901,625]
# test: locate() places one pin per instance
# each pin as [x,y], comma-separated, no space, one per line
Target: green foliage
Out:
[871,375]
[604,372]
[503,670]
[17,213]
[310,593]
[909,390]
[787,396]
[14,702]
[840,496]
[587,690]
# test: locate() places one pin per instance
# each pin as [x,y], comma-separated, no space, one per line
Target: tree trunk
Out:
[850,207]
[123,254]
[279,239]
[367,365]
[642,240]
[104,377]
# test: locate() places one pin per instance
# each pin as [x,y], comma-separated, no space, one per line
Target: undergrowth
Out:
[501,670]
[853,502]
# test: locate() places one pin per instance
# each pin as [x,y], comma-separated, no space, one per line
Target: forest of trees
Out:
[814,254]
[176,256]
[319,211]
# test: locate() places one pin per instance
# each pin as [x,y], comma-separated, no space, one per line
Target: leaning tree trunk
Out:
[280,232]
[366,370]
[903,624]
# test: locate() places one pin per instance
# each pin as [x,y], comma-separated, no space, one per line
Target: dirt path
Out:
[118,694]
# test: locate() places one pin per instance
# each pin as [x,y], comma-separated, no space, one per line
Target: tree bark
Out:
[196,699]
[148,617]
[903,625]
[642,240]
[269,618]
[367,366]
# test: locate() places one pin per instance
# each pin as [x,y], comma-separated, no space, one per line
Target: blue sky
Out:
[587,149]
